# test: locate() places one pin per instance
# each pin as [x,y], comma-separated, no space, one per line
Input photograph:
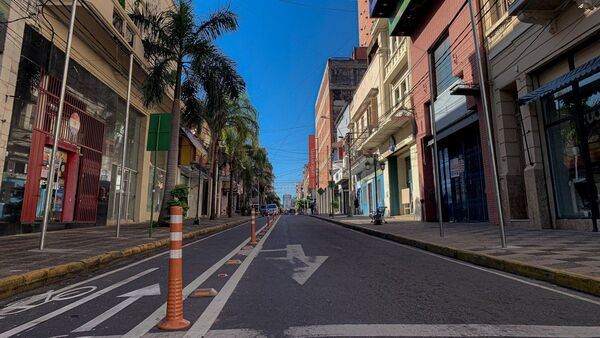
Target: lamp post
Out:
[331,188]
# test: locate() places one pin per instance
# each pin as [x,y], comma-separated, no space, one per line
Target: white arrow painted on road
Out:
[303,267]
[132,297]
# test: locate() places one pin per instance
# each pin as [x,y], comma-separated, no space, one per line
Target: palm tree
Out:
[235,140]
[237,114]
[179,47]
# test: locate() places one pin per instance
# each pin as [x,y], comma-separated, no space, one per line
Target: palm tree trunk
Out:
[230,197]
[214,167]
[173,155]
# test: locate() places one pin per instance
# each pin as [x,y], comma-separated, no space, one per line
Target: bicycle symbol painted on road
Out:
[44,298]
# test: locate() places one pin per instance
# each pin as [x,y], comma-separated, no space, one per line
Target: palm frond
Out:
[219,22]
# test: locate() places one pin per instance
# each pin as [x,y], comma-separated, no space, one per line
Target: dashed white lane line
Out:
[498,273]
[73,305]
[201,327]
[152,320]
[442,330]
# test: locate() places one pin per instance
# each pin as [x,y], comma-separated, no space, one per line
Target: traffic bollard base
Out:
[174,325]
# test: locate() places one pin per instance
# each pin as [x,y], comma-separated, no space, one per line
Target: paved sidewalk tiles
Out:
[20,254]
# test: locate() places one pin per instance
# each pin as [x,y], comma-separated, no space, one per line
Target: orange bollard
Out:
[253,229]
[174,319]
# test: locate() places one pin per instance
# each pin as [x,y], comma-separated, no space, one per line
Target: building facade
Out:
[383,147]
[87,183]
[444,82]
[544,71]
[340,78]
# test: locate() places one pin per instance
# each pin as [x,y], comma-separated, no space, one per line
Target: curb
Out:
[578,282]
[12,285]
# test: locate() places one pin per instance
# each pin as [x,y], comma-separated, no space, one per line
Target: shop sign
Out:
[74,124]
[457,167]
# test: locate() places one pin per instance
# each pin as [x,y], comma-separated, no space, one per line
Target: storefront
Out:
[86,182]
[571,107]
[461,177]
[367,192]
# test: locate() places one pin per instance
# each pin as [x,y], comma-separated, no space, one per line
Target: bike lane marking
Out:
[73,305]
[203,324]
[49,294]
[151,321]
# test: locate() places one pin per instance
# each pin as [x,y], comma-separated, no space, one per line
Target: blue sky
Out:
[281,49]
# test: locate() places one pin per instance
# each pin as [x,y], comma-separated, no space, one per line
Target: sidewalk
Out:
[549,255]
[88,247]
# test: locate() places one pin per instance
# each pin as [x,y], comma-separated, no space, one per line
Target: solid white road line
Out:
[152,320]
[594,300]
[442,330]
[89,326]
[132,297]
[210,314]
[73,305]
[235,333]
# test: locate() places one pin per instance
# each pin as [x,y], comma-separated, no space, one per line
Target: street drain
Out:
[204,293]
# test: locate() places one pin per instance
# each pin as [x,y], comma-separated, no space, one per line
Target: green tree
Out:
[235,138]
[180,47]
[238,115]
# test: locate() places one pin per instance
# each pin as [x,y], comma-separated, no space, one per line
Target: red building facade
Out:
[312,158]
[445,97]
[443,61]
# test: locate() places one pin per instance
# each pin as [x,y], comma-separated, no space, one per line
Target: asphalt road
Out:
[308,277]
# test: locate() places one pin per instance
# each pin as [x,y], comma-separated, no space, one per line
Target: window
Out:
[123,28]
[117,22]
[393,44]
[396,96]
[442,58]
[497,9]
[565,149]
[129,36]
[4,7]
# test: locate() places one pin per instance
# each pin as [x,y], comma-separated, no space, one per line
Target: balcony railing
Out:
[400,55]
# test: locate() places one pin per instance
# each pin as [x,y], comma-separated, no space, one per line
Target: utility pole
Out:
[350,183]
[59,114]
[436,163]
[125,136]
[488,123]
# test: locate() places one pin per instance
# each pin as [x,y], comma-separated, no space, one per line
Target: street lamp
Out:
[331,188]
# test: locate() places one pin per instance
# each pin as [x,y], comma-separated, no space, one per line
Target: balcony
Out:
[406,17]
[398,118]
[382,8]
[534,11]
[397,61]
[367,89]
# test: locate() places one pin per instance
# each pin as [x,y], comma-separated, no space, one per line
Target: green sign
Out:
[159,133]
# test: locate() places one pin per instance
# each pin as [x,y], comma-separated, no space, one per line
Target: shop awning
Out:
[571,77]
[194,140]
